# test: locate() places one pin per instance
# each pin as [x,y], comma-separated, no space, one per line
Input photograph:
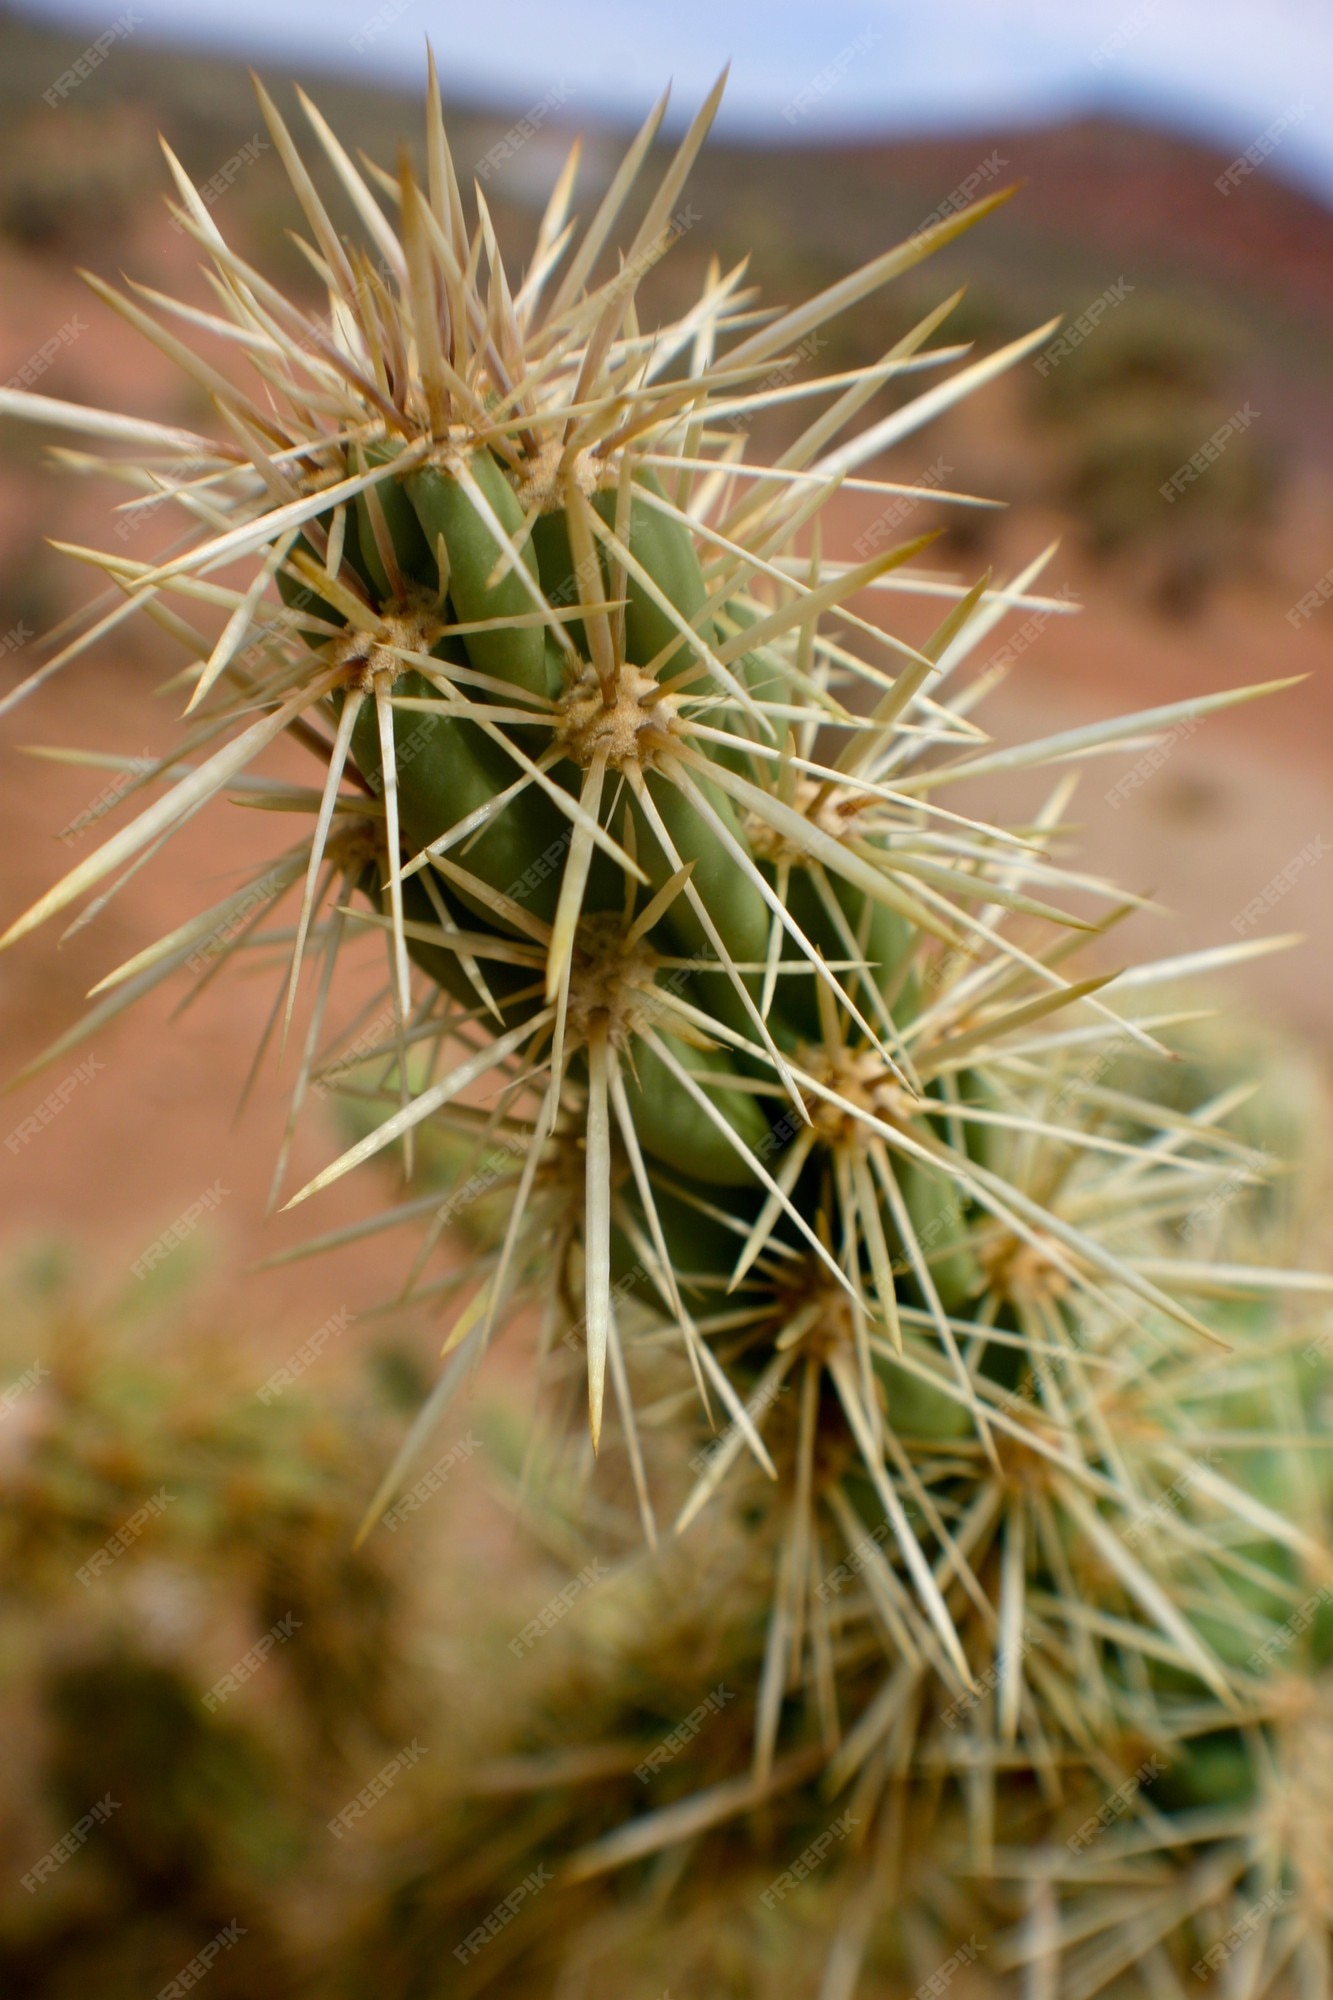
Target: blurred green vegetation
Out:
[218,1807]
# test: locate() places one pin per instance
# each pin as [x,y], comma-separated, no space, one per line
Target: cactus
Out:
[767,1053]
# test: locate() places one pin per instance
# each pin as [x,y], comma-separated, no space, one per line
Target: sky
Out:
[1228,71]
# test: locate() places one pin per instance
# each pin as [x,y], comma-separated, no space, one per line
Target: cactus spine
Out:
[784,1051]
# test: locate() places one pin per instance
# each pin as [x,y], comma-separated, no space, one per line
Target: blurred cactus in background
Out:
[1131,408]
[942,1311]
[119,1636]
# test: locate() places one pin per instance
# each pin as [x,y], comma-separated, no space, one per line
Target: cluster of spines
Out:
[570,662]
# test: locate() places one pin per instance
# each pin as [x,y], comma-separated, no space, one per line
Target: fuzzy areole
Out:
[790,1077]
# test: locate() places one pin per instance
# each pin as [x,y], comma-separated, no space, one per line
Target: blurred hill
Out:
[1216,299]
